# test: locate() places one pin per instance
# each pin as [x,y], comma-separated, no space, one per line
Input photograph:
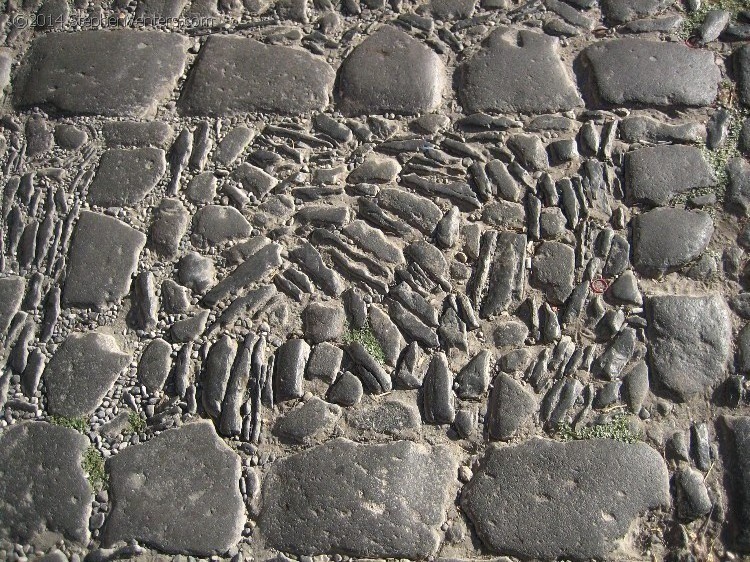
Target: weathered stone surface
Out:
[743,66]
[313,420]
[126,176]
[738,190]
[737,457]
[655,175]
[652,73]
[43,487]
[689,341]
[547,499]
[517,71]
[81,372]
[256,267]
[511,406]
[124,73]
[103,258]
[346,391]
[552,270]
[291,358]
[11,295]
[620,11]
[376,505]
[169,226]
[391,72]
[323,321]
[178,493]
[225,79]
[154,364]
[666,239]
[439,401]
[217,224]
[135,133]
[474,378]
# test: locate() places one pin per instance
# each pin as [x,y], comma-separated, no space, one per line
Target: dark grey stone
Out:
[387,334]
[323,321]
[511,333]
[547,499]
[393,418]
[202,188]
[43,487]
[127,72]
[692,496]
[451,9]
[474,379]
[738,190]
[666,239]
[224,80]
[233,144]
[70,137]
[11,295]
[358,513]
[103,257]
[689,341]
[255,268]
[652,73]
[617,354]
[500,78]
[374,241]
[655,175]
[196,272]
[311,421]
[375,168]
[504,215]
[291,358]
[136,133]
[645,129]
[635,386]
[621,11]
[553,269]
[81,372]
[190,328]
[737,458]
[169,226]
[625,290]
[126,176]
[511,407]
[418,211]
[391,72]
[506,274]
[154,365]
[324,362]
[742,64]
[743,349]
[217,224]
[439,400]
[179,493]
[346,391]
[218,368]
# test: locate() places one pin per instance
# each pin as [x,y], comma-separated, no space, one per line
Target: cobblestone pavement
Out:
[324,281]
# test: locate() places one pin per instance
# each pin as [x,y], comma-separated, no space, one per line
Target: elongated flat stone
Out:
[253,269]
[103,258]
[178,493]
[652,73]
[517,71]
[391,72]
[374,501]
[235,75]
[43,487]
[114,72]
[551,500]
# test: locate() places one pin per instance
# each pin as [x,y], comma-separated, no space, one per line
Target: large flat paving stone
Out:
[385,501]
[551,500]
[115,73]
[178,493]
[235,75]
[103,258]
[517,71]
[651,73]
[666,239]
[656,174]
[689,340]
[81,372]
[391,72]
[43,487]
[126,176]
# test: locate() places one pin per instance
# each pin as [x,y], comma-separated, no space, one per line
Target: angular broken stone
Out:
[217,224]
[81,372]
[323,321]
[224,80]
[511,406]
[391,72]
[667,239]
[547,499]
[43,488]
[126,72]
[255,268]
[474,379]
[652,73]
[689,342]
[439,401]
[553,269]
[179,493]
[517,72]
[126,176]
[361,500]
[103,257]
[169,226]
[655,175]
[312,420]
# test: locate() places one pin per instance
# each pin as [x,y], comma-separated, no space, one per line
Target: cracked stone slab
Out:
[122,72]
[235,75]
[655,175]
[179,492]
[103,258]
[547,499]
[81,372]
[43,487]
[125,177]
[652,73]
[363,500]
[391,72]
[517,71]
[689,340]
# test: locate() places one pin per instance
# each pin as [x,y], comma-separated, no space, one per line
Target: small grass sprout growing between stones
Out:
[93,466]
[136,422]
[368,340]
[618,428]
[80,423]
